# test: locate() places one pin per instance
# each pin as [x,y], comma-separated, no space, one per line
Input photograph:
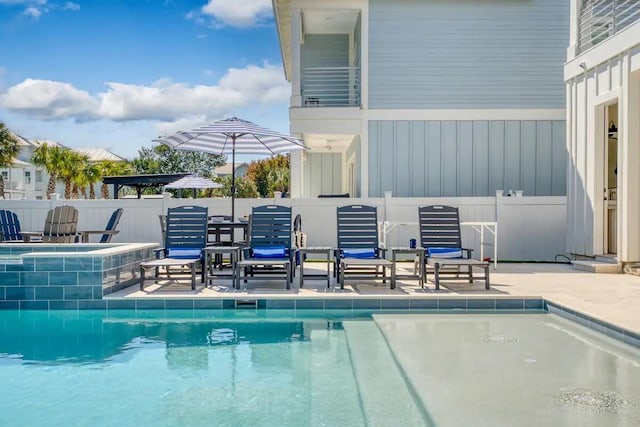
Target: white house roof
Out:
[98,154]
[39,142]
[226,169]
[22,141]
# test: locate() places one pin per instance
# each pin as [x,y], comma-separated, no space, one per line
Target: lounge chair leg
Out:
[193,276]
[487,286]
[341,277]
[436,270]
[142,278]
[470,274]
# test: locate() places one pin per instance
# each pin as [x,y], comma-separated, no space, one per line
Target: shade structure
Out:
[193,182]
[233,136]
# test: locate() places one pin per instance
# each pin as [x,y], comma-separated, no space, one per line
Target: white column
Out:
[574,13]
[296,39]
[629,157]
[296,174]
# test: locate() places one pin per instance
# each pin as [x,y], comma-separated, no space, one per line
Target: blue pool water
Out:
[281,368]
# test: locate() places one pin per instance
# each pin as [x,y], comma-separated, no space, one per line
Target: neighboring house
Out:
[602,77]
[24,180]
[224,170]
[426,98]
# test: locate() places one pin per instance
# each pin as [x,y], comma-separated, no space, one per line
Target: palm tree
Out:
[88,176]
[8,151]
[110,168]
[51,158]
[72,166]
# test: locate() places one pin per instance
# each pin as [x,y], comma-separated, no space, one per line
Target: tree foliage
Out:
[245,188]
[270,175]
[8,151]
[164,159]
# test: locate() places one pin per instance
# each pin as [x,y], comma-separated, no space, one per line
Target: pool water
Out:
[306,368]
[132,369]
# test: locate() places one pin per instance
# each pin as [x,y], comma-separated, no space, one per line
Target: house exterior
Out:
[24,180]
[426,98]
[226,169]
[602,78]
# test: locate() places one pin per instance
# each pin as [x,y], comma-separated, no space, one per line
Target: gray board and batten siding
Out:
[451,54]
[467,158]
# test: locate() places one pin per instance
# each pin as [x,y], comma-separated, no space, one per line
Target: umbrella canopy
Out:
[193,182]
[231,136]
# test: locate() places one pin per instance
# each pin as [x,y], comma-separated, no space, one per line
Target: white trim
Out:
[608,97]
[613,47]
[485,114]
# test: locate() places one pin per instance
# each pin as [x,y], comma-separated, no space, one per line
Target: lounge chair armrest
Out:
[467,252]
[160,253]
[382,252]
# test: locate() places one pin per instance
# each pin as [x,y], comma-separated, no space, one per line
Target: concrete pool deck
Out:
[612,298]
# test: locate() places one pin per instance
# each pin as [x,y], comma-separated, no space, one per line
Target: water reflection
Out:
[43,337]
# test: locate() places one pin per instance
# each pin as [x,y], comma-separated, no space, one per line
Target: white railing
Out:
[330,86]
[601,19]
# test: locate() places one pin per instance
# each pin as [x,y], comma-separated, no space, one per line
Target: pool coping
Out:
[449,305]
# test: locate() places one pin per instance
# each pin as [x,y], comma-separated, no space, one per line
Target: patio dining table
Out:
[218,229]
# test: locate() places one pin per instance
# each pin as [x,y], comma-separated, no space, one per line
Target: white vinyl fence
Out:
[529,228]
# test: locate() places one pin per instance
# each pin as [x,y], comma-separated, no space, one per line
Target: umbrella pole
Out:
[233,179]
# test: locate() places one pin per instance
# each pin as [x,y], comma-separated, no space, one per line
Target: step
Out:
[385,396]
[593,266]
[610,259]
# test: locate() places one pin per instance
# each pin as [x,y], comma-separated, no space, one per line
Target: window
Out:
[38,176]
[27,177]
[5,175]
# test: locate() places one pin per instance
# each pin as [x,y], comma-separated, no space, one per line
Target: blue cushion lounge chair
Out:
[9,227]
[185,240]
[358,252]
[441,238]
[270,251]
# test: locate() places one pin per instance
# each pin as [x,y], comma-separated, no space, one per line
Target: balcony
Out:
[330,86]
[601,19]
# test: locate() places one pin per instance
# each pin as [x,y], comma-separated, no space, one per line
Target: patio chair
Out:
[9,227]
[358,253]
[185,240]
[441,237]
[108,232]
[270,251]
[60,226]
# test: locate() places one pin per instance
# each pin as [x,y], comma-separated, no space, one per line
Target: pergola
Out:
[140,182]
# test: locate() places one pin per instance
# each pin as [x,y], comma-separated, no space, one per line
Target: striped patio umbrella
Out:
[233,136]
[193,182]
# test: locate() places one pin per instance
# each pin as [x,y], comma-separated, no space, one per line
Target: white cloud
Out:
[234,13]
[49,100]
[71,6]
[164,100]
[32,12]
[23,1]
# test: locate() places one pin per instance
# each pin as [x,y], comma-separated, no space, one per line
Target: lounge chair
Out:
[185,239]
[9,227]
[270,251]
[108,232]
[61,226]
[441,237]
[358,253]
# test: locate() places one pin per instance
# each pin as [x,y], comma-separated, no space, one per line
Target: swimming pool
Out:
[308,368]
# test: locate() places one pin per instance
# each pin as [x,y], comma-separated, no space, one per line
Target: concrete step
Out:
[610,259]
[593,266]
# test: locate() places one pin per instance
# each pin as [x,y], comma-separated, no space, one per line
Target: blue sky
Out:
[116,74]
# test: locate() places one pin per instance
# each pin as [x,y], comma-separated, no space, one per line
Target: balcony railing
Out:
[330,86]
[600,19]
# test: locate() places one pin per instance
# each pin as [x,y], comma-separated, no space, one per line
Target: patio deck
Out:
[611,298]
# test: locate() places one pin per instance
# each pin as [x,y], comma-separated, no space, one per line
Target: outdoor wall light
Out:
[583,65]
